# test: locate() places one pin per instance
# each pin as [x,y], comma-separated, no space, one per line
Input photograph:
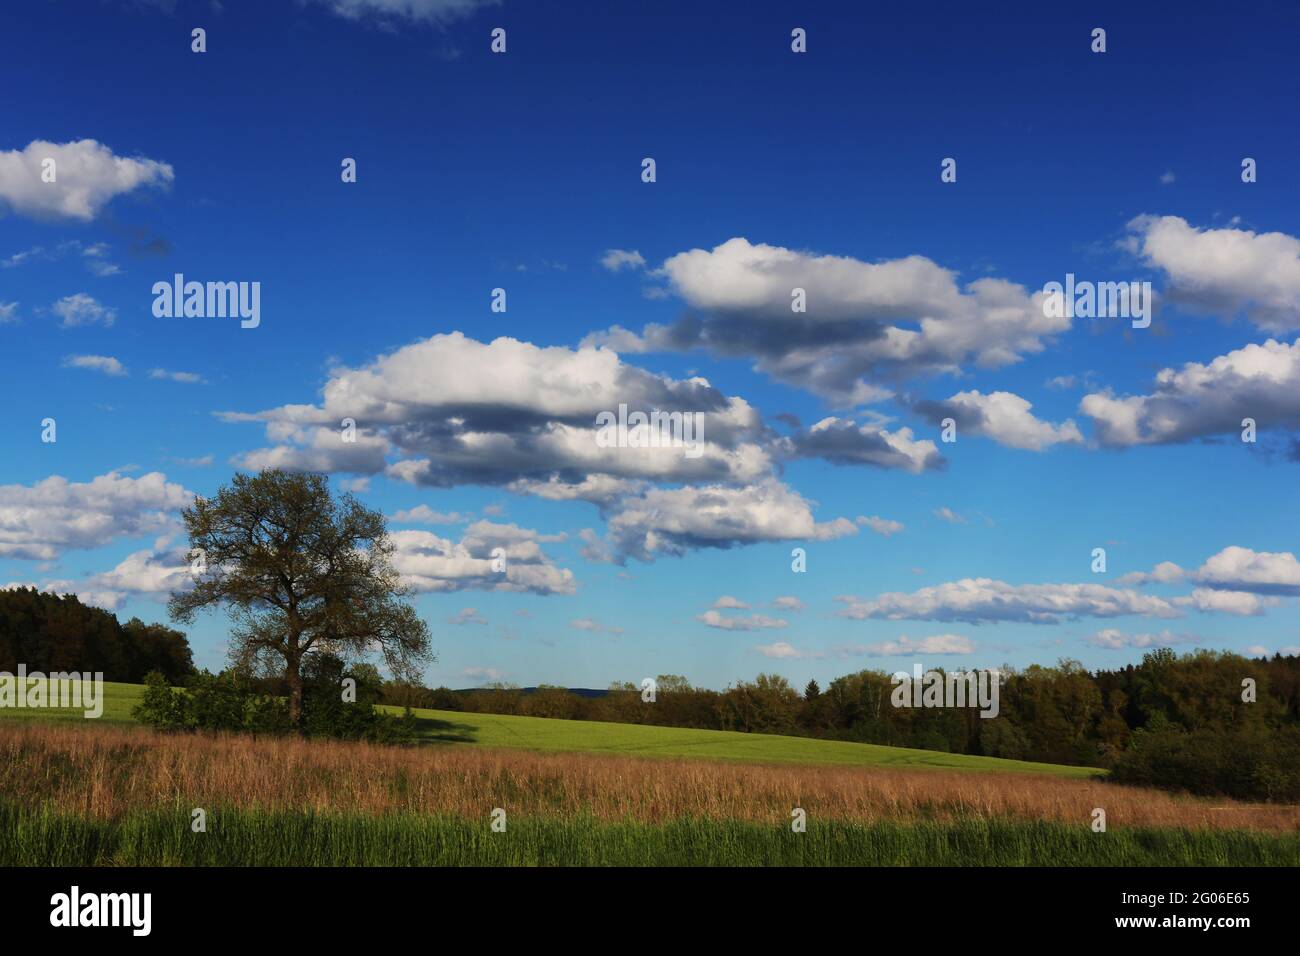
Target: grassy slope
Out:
[542,734]
[539,733]
[119,700]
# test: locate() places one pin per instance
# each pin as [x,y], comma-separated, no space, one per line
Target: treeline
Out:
[50,632]
[1207,722]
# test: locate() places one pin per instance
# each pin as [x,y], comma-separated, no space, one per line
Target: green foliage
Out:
[230,702]
[326,712]
[767,706]
[218,702]
[547,701]
[157,647]
[443,698]
[212,702]
[1248,762]
[1003,739]
[50,632]
[161,707]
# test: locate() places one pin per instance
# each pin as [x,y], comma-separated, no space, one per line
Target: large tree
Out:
[301,572]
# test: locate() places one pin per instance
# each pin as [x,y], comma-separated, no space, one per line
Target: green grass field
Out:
[540,733]
[260,838]
[35,832]
[119,701]
[451,728]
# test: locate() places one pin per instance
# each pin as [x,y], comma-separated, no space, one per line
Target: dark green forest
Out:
[50,632]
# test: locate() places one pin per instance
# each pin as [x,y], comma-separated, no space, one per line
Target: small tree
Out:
[301,573]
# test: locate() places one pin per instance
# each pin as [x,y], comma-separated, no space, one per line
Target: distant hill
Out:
[579,691]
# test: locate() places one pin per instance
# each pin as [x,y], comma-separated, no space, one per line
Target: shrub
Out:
[327,714]
[161,707]
[229,701]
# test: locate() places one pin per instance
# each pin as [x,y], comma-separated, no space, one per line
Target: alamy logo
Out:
[1098,300]
[208,300]
[103,909]
[955,689]
[655,430]
[68,690]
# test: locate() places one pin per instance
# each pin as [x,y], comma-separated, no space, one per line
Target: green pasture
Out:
[453,728]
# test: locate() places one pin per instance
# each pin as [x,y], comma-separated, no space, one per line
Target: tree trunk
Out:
[294,679]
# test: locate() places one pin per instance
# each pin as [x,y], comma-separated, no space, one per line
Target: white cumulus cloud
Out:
[1227,271]
[753,622]
[87,174]
[41,521]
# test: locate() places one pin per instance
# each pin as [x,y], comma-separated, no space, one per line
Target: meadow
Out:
[119,701]
[105,794]
[572,736]
[253,838]
[110,792]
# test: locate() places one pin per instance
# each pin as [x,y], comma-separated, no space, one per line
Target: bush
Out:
[161,707]
[212,702]
[327,714]
[229,701]
[1249,763]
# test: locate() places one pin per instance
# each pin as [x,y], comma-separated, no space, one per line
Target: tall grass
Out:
[287,838]
[110,774]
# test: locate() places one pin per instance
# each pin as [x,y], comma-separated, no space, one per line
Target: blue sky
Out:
[774,170]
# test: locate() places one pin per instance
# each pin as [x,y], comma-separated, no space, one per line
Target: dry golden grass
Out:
[104,772]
